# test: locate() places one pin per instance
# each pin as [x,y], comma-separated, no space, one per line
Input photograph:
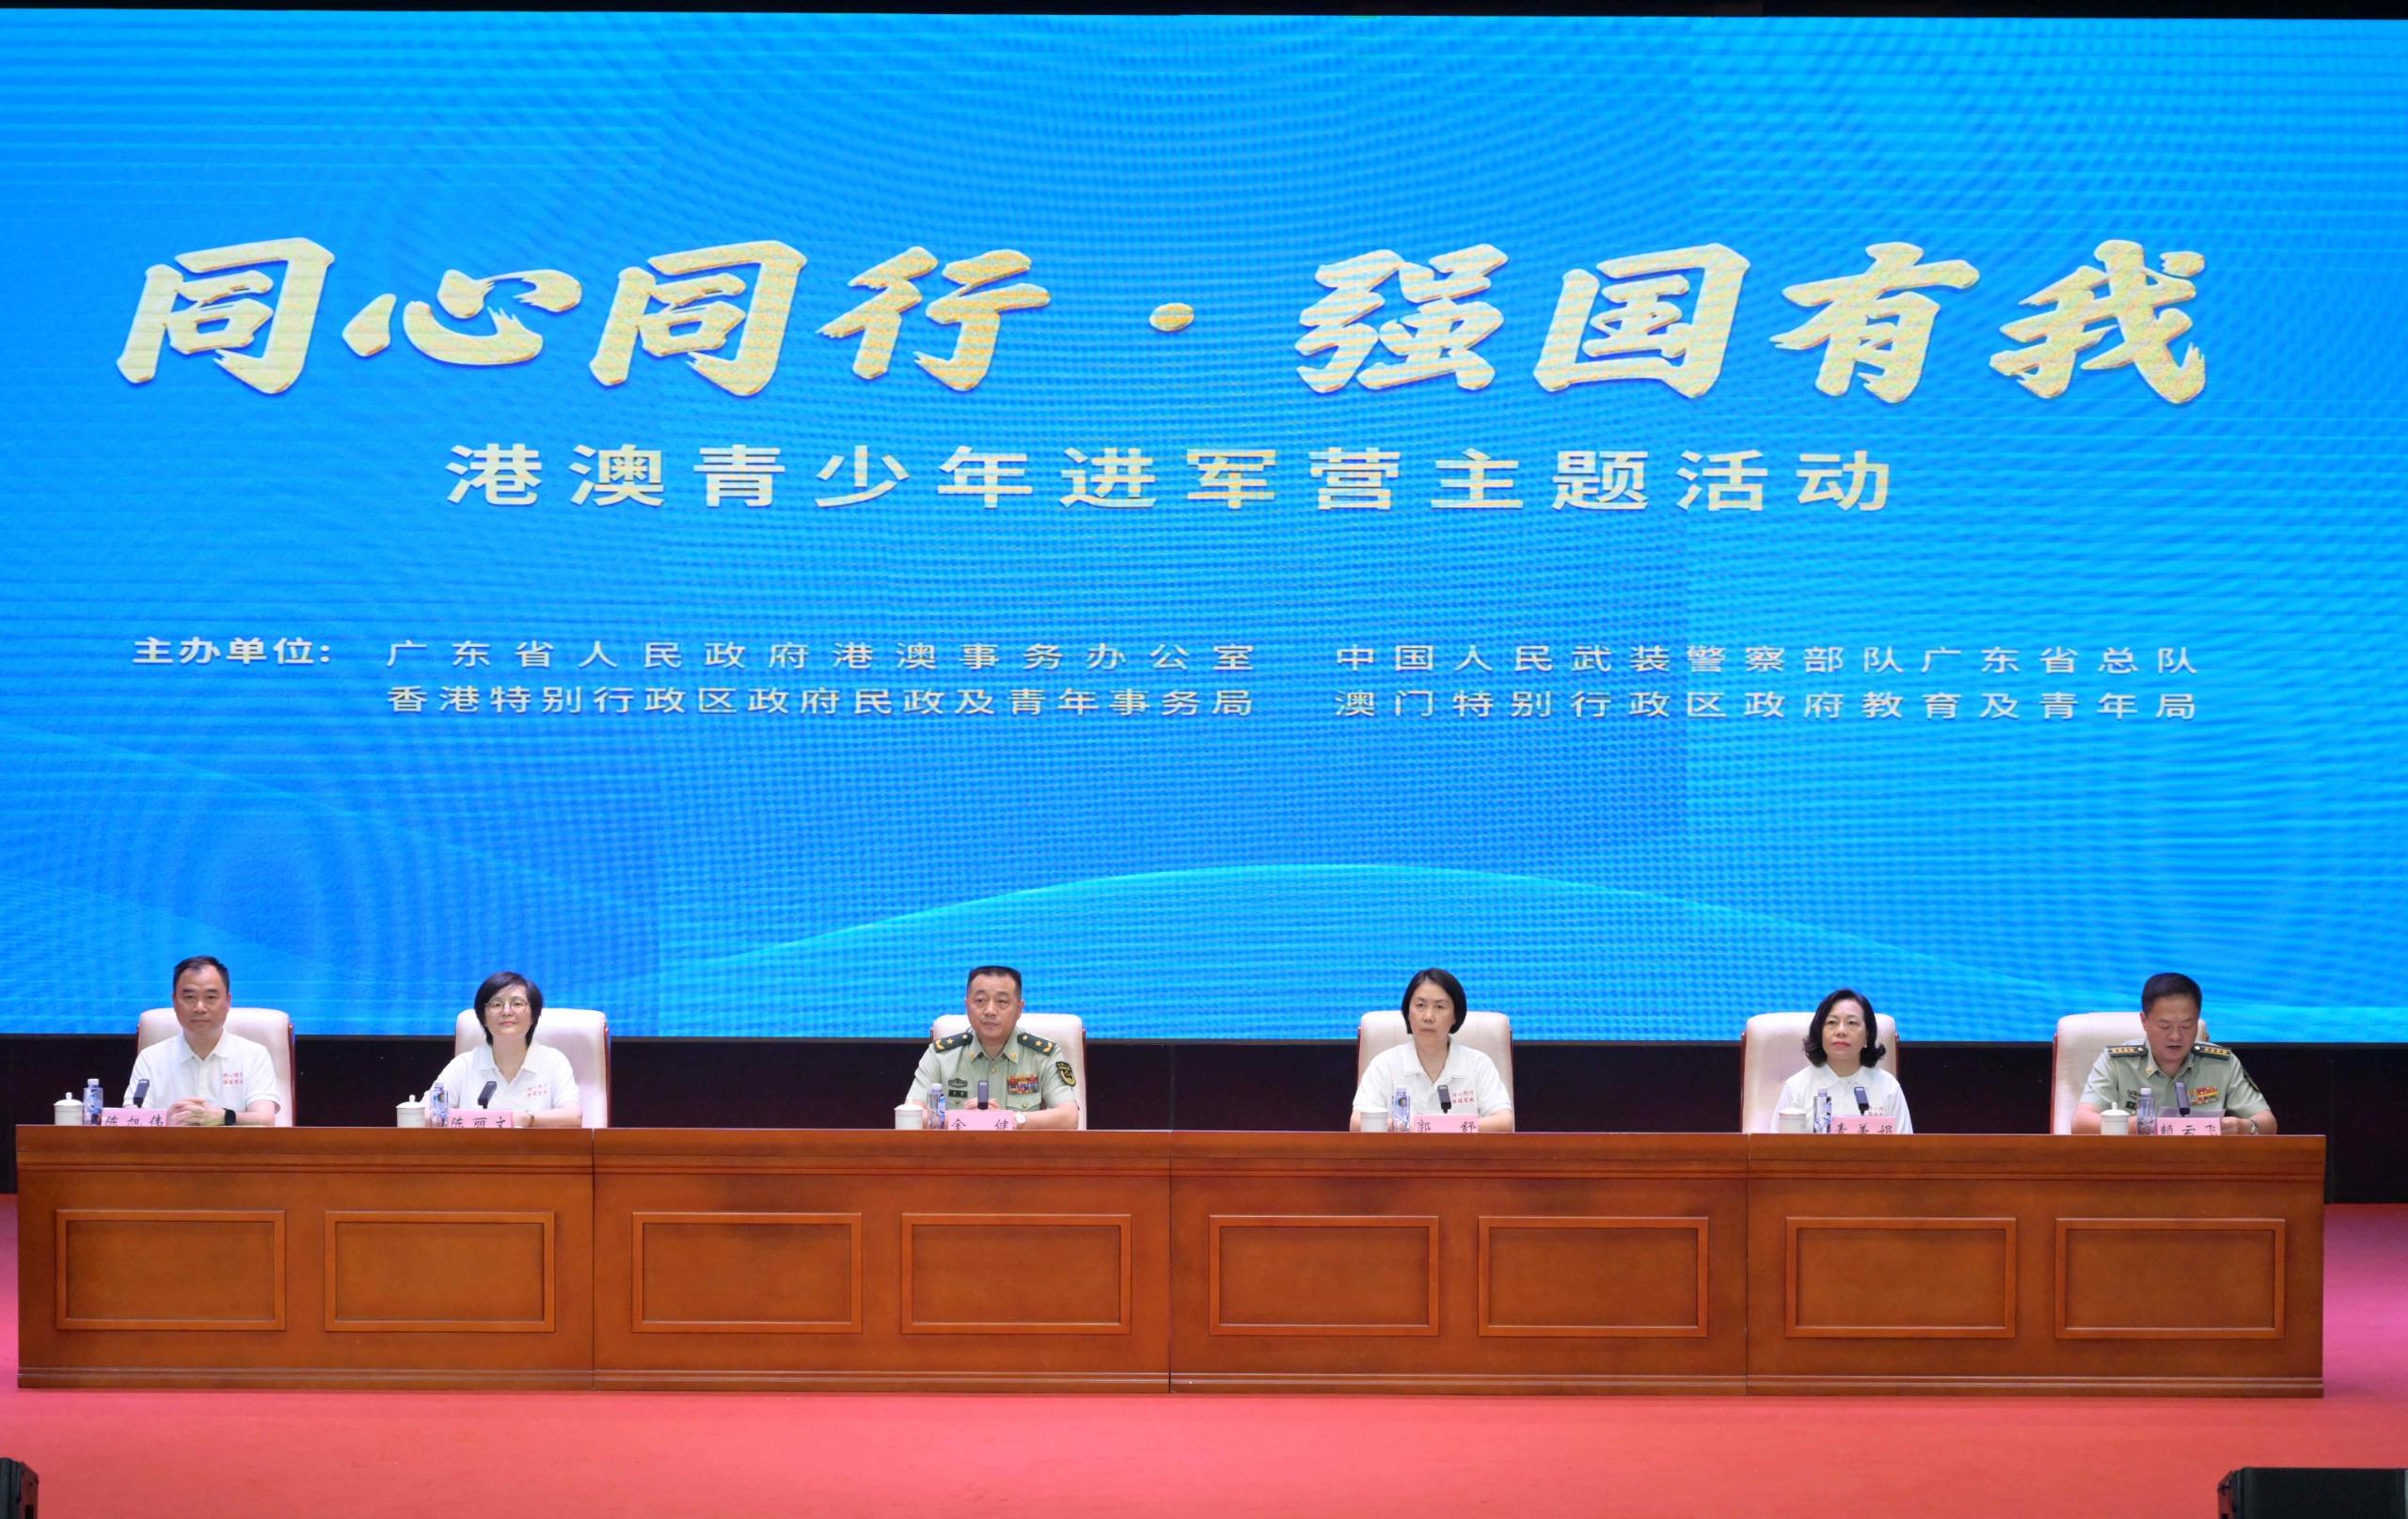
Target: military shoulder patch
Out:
[2128,1049]
[1062,1068]
[2203,1047]
[1043,1047]
[953,1041]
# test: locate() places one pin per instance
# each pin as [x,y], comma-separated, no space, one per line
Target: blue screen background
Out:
[1274,875]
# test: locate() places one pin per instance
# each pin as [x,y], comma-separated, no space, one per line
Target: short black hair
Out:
[1874,1050]
[1445,982]
[2169,984]
[501,981]
[992,969]
[199,962]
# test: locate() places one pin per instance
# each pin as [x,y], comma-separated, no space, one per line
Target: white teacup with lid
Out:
[67,1111]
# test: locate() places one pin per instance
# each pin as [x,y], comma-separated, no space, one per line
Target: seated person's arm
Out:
[568,1112]
[2095,1097]
[923,1077]
[199,1112]
[1065,1116]
[263,1094]
[156,1097]
[1056,1090]
[1368,1098]
[2245,1105]
[1495,1104]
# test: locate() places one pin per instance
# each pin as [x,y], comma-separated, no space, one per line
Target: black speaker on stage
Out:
[20,1492]
[2313,1493]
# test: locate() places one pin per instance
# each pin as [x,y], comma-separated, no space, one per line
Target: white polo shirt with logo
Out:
[236,1074]
[1471,1079]
[544,1081]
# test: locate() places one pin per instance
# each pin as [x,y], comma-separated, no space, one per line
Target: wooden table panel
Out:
[305,1257]
[754,1274]
[973,1262]
[2091,1265]
[1457,1264]
[1325,1261]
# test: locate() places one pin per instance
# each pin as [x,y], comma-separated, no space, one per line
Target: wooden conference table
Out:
[834,1260]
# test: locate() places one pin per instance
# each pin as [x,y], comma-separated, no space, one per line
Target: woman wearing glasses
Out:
[510,1072]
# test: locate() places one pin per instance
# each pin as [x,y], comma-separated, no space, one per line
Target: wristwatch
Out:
[2252,1122]
[1019,1119]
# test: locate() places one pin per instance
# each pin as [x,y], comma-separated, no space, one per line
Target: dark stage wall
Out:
[2348,1092]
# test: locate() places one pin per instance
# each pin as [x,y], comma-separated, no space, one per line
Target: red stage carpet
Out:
[586,1455]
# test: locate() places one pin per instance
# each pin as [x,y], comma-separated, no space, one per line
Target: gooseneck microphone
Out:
[2182,1098]
[485,1098]
[1446,1103]
[141,1090]
[982,1095]
[1863,1103]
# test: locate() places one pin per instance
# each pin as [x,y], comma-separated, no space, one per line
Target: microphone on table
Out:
[1446,1103]
[2182,1098]
[982,1094]
[141,1090]
[1863,1103]
[485,1098]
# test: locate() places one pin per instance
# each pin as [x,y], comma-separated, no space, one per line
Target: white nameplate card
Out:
[2198,1123]
[981,1120]
[1864,1123]
[480,1118]
[133,1118]
[1445,1123]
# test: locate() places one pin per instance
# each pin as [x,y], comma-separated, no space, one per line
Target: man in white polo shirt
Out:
[205,1075]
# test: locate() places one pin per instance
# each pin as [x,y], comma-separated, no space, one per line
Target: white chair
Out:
[2081,1038]
[265,1026]
[1491,1034]
[580,1033]
[1067,1032]
[1773,1050]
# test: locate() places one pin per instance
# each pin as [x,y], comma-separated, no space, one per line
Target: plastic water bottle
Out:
[439,1107]
[1400,1110]
[1822,1113]
[93,1101]
[2144,1112]
[936,1101]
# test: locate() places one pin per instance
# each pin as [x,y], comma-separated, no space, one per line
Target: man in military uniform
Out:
[2170,1051]
[1025,1075]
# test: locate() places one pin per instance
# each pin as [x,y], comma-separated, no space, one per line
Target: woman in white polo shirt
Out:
[510,1072]
[1844,1055]
[1432,1060]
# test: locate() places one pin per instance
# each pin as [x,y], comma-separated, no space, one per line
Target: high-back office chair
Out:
[1491,1034]
[1067,1031]
[2081,1039]
[580,1033]
[267,1026]
[1773,1048]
